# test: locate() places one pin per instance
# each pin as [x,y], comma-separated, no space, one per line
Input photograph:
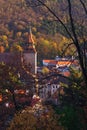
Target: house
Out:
[50,63]
[55,63]
[48,90]
[50,86]
[61,62]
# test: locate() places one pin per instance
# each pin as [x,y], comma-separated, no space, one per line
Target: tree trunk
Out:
[14,101]
[76,42]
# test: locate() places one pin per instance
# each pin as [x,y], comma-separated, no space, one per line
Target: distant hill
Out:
[17,15]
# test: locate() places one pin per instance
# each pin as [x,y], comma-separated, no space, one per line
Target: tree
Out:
[36,118]
[16,48]
[73,100]
[76,34]
[2,49]
[45,70]
[50,47]
[71,118]
[8,80]
[72,33]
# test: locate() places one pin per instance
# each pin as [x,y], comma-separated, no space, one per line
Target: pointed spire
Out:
[30,42]
[30,37]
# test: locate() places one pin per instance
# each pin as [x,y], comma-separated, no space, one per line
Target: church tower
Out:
[30,54]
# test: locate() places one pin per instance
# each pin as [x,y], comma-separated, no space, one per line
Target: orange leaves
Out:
[2,49]
[1,98]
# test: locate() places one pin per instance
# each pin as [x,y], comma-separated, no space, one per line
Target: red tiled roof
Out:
[65,63]
[67,74]
[50,61]
[60,63]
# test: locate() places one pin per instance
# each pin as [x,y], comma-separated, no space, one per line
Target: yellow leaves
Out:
[45,70]
[4,38]
[3,43]
[77,75]
[44,41]
[16,48]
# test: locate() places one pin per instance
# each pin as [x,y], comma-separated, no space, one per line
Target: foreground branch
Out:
[76,43]
[57,18]
[83,4]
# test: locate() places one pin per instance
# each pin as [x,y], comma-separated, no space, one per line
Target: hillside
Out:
[16,16]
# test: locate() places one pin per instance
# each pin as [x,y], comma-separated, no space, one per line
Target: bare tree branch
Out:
[53,13]
[83,4]
[63,52]
[76,43]
[32,4]
[74,37]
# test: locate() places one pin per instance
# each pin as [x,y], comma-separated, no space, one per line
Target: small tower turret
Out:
[30,54]
[31,41]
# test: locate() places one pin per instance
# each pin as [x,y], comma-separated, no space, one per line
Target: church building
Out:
[30,54]
[27,58]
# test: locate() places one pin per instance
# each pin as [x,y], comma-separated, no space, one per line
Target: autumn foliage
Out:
[43,118]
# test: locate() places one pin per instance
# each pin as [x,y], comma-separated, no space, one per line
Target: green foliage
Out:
[8,76]
[46,49]
[49,26]
[8,80]
[76,74]
[74,91]
[72,102]
[71,118]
